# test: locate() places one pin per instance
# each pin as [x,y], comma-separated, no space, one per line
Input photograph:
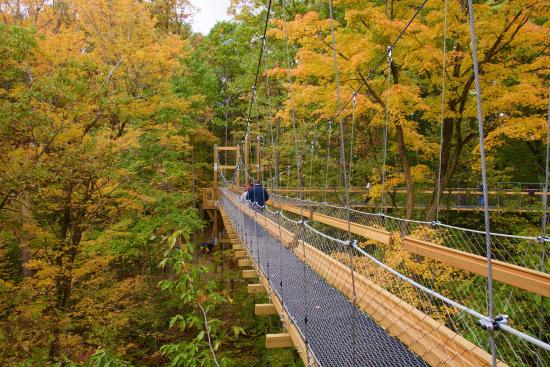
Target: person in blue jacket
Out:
[257,194]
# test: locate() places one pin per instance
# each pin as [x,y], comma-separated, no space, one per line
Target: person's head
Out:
[257,182]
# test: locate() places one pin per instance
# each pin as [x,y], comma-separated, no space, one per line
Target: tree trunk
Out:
[23,238]
[276,158]
[402,149]
[406,171]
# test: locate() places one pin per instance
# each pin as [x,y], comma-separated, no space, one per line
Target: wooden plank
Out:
[521,277]
[273,341]
[227,148]
[255,288]
[369,232]
[524,278]
[265,309]
[244,263]
[221,166]
[237,246]
[240,254]
[248,274]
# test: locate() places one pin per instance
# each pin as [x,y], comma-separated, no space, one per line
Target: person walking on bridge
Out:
[258,195]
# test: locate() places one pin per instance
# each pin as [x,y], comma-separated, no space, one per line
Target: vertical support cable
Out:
[385,148]
[490,295]
[443,79]
[328,157]
[292,107]
[353,105]
[337,82]
[298,153]
[345,178]
[544,225]
[312,151]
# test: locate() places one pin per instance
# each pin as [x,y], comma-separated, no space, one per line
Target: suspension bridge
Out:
[357,288]
[342,303]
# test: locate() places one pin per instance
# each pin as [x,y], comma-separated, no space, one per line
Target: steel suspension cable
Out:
[544,225]
[385,137]
[353,105]
[256,78]
[339,97]
[345,176]
[547,174]
[298,172]
[328,157]
[490,295]
[291,100]
[443,74]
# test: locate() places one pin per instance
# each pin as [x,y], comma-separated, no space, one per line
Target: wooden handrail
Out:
[517,276]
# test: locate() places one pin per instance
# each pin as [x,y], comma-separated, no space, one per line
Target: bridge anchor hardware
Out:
[492,325]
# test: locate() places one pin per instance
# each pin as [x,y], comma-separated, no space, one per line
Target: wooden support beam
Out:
[245,263]
[240,254]
[248,274]
[256,288]
[237,246]
[521,277]
[524,278]
[227,148]
[369,232]
[221,166]
[273,341]
[265,309]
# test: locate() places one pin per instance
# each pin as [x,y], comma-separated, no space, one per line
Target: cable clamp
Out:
[381,214]
[330,126]
[436,223]
[350,243]
[301,222]
[390,56]
[354,99]
[543,239]
[493,325]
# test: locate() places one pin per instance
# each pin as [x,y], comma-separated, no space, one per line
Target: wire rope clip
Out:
[543,239]
[390,54]
[492,325]
[436,223]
